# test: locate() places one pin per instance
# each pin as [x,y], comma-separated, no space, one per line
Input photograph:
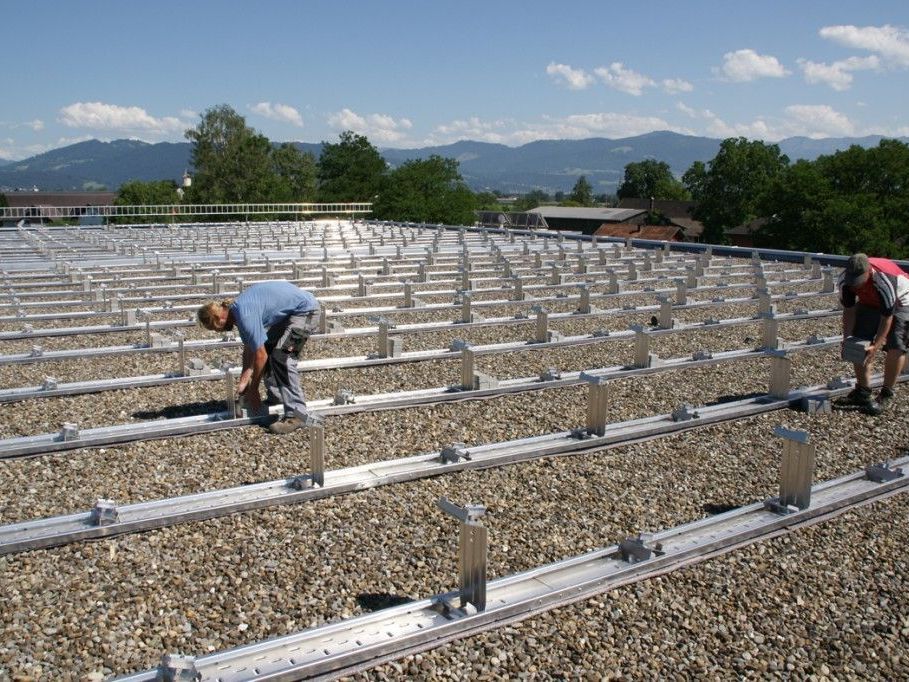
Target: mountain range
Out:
[550,165]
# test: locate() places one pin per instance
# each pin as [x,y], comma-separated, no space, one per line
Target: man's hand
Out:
[243,384]
[869,354]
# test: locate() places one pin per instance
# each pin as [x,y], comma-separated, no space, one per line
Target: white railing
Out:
[113,211]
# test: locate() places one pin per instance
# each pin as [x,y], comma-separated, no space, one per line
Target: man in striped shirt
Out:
[874,293]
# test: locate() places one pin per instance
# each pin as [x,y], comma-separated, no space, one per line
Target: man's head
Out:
[215,316]
[857,270]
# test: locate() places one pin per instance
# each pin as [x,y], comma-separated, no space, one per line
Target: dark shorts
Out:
[867,320]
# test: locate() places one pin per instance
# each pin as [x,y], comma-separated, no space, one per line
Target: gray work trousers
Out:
[284,344]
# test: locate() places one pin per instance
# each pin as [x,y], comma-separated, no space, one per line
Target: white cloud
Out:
[674,86]
[112,117]
[278,112]
[575,79]
[888,42]
[747,65]
[36,124]
[622,79]
[189,113]
[837,74]
[820,120]
[376,127]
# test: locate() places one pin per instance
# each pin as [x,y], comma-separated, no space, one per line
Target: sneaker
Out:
[874,408]
[860,396]
[884,398]
[287,425]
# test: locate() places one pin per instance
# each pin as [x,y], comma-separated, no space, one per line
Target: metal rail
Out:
[142,516]
[358,643]
[52,389]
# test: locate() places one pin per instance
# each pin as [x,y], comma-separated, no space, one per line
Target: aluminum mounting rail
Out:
[142,516]
[357,643]
[71,438]
[52,389]
[39,355]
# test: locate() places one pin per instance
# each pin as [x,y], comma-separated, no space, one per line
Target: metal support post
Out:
[180,336]
[362,286]
[229,394]
[681,292]
[648,263]
[666,321]
[770,329]
[613,286]
[542,327]
[827,285]
[597,403]
[584,306]
[517,291]
[632,271]
[472,548]
[466,301]
[468,368]
[796,472]
[317,453]
[642,355]
[780,374]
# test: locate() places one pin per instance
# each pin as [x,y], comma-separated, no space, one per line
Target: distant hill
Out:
[551,165]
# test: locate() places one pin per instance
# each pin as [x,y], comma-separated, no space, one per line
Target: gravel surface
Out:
[115,605]
[824,602]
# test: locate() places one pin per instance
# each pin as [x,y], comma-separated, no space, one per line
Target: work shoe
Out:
[287,424]
[884,398]
[860,396]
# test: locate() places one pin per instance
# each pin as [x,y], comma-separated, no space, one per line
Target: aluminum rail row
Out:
[41,356]
[339,268]
[358,643]
[53,389]
[332,300]
[71,438]
[392,286]
[335,313]
[130,518]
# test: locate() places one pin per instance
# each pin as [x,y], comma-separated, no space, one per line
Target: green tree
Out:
[728,190]
[429,190]
[582,192]
[531,200]
[232,161]
[854,200]
[650,178]
[154,192]
[487,201]
[296,174]
[351,170]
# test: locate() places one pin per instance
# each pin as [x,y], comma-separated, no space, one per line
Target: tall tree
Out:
[154,192]
[296,173]
[854,200]
[729,188]
[232,162]
[350,170]
[650,178]
[429,190]
[582,193]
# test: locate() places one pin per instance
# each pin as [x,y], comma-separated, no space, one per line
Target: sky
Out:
[409,73]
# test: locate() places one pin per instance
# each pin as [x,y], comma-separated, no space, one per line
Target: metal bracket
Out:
[49,384]
[453,453]
[344,397]
[883,472]
[635,550]
[472,552]
[685,412]
[104,513]
[69,431]
[551,374]
[177,668]
[702,355]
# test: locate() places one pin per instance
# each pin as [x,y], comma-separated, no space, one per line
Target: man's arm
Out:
[253,367]
[880,338]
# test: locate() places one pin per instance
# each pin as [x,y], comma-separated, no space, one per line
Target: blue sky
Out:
[409,73]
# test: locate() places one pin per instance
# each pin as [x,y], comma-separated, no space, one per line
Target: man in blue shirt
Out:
[274,319]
